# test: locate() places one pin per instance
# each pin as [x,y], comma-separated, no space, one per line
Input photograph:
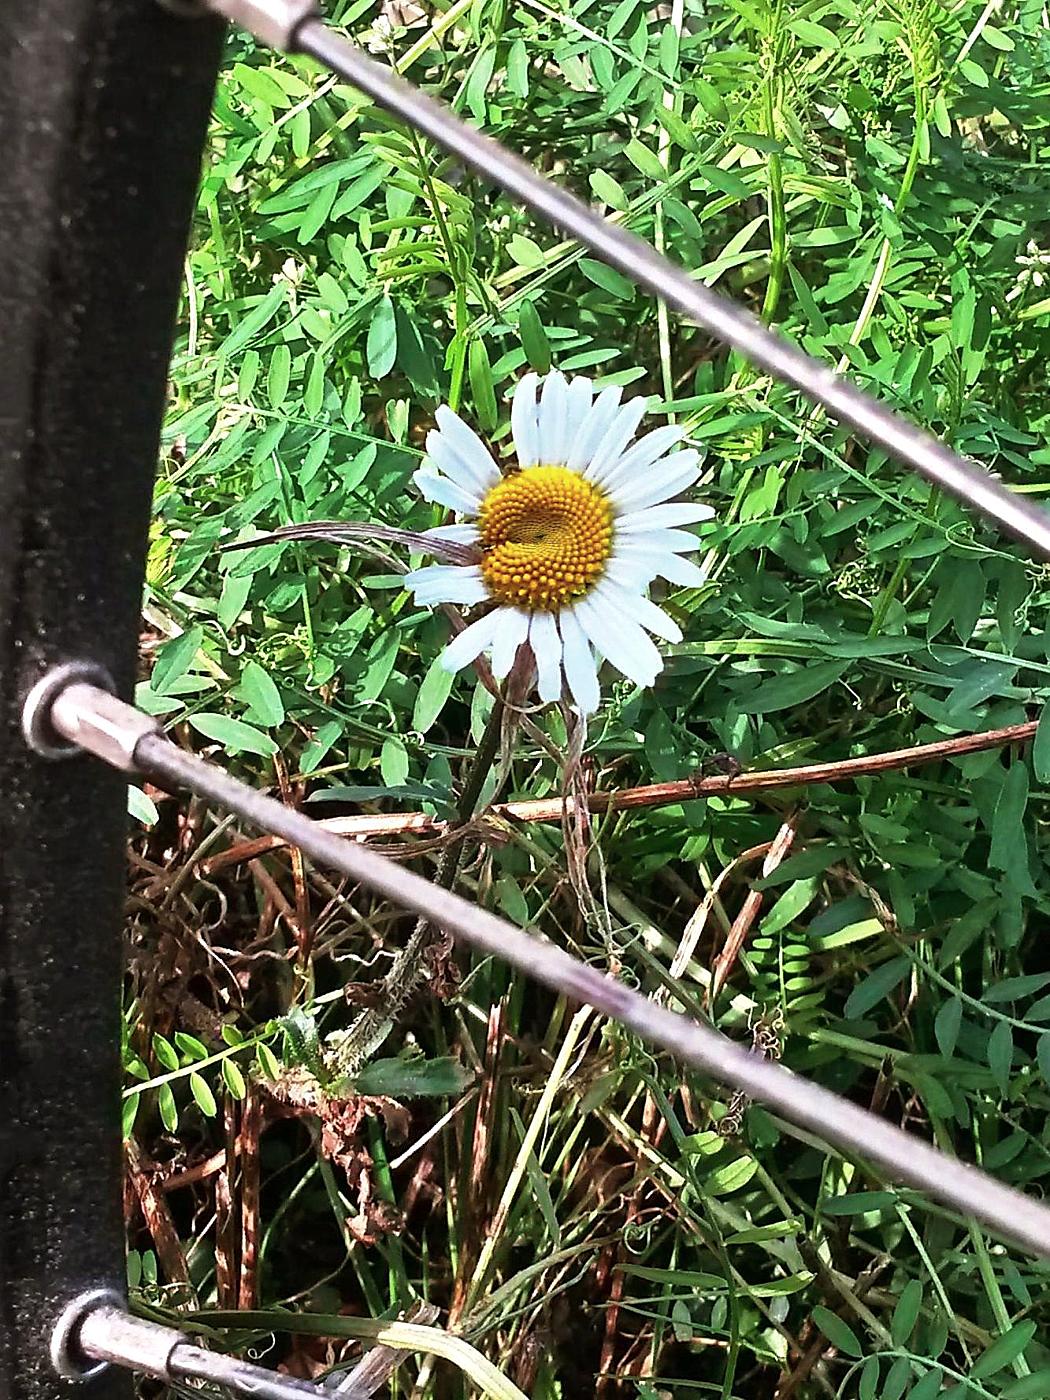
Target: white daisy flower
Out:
[567,540]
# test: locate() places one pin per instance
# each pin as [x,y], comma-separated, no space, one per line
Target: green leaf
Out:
[393,761]
[792,689]
[839,1333]
[1033,1387]
[174,658]
[381,348]
[203,1095]
[255,321]
[481,386]
[165,1052]
[1042,1055]
[1013,988]
[868,1386]
[906,1313]
[413,1078]
[278,375]
[946,1026]
[1041,746]
[381,657]
[732,1177]
[1004,1350]
[795,899]
[431,697]
[1001,1054]
[876,986]
[231,1073]
[814,36]
[141,806]
[608,190]
[129,1111]
[233,734]
[169,1114]
[858,1203]
[268,1062]
[927,1386]
[261,695]
[525,251]
[191,1046]
[1008,842]
[533,337]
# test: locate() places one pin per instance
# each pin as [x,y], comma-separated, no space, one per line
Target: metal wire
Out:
[92,718]
[901,439]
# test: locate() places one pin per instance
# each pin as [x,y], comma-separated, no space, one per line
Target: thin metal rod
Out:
[903,440]
[104,1331]
[89,717]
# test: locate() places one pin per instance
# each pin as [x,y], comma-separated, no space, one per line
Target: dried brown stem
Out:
[654,794]
[726,960]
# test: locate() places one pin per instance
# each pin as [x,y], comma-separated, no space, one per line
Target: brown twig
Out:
[158,1217]
[654,794]
[726,960]
[251,1129]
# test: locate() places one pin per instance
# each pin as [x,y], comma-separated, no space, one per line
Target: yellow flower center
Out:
[546,536]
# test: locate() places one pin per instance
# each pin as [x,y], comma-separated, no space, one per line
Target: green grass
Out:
[875,183]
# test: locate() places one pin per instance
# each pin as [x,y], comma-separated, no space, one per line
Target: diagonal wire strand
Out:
[96,721]
[293,25]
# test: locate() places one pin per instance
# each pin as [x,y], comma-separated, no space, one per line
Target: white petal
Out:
[471,642]
[676,541]
[512,631]
[546,648]
[524,422]
[644,453]
[447,583]
[635,572]
[620,640]
[553,417]
[638,606]
[454,534]
[581,392]
[645,565]
[663,480]
[433,487]
[593,427]
[660,517]
[581,671]
[463,451]
[618,434]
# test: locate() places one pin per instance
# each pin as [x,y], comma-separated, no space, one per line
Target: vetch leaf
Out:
[533,337]
[233,734]
[1001,1054]
[262,696]
[231,1073]
[278,375]
[203,1095]
[1004,1350]
[794,688]
[946,1026]
[906,1313]
[174,658]
[169,1114]
[876,986]
[381,347]
[141,806]
[1041,746]
[393,761]
[839,1333]
[796,898]
[431,697]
